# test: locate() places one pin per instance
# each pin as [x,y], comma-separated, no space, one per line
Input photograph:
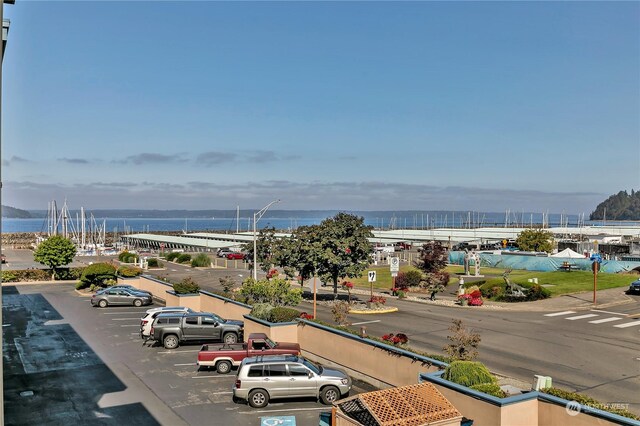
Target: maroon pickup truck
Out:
[224,357]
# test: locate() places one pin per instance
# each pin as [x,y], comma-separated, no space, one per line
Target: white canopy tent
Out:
[568,253]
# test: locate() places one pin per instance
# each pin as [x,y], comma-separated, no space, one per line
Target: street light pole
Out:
[256,217]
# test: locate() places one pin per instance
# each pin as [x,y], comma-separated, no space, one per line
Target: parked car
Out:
[634,287]
[118,297]
[147,320]
[175,328]
[235,255]
[125,287]
[263,378]
[223,252]
[224,357]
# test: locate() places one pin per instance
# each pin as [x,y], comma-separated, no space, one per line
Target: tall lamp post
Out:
[256,217]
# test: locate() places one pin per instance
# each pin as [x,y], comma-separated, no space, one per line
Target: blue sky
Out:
[374,106]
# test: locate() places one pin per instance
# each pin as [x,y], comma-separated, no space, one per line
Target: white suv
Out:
[151,314]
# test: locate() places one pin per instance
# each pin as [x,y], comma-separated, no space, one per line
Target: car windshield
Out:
[218,319]
[270,342]
[311,366]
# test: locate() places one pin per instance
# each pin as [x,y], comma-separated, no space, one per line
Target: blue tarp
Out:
[544,264]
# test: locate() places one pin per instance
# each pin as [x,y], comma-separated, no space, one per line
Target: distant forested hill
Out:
[13,213]
[621,206]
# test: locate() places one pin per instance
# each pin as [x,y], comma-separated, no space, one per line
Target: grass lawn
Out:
[560,282]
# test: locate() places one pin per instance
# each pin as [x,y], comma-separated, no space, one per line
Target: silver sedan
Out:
[120,297]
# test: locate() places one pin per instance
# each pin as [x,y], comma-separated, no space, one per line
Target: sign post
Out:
[394,267]
[314,296]
[595,267]
[372,278]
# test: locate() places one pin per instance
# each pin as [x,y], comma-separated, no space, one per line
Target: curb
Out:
[385,311]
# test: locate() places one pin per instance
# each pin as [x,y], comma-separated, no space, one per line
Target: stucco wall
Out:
[522,412]
[361,360]
[192,302]
[481,412]
[222,307]
[277,332]
[556,415]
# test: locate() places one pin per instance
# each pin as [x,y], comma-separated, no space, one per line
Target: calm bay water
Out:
[386,220]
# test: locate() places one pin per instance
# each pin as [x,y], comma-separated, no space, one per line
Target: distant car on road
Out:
[120,297]
[235,256]
[634,287]
[223,252]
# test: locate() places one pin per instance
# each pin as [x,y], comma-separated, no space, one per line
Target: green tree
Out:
[344,248]
[431,262]
[98,274]
[276,292]
[268,249]
[54,252]
[535,240]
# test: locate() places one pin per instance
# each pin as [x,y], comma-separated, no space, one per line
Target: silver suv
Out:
[263,378]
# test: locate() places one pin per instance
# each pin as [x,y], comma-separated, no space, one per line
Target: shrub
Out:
[262,311]
[464,343]
[305,315]
[537,292]
[98,273]
[340,311]
[396,339]
[126,257]
[80,285]
[408,279]
[588,401]
[154,263]
[172,256]
[468,373]
[227,283]
[497,291]
[123,255]
[183,258]
[489,388]
[33,275]
[273,273]
[283,314]
[129,271]
[9,276]
[200,261]
[377,301]
[186,286]
[472,289]
[68,273]
[277,292]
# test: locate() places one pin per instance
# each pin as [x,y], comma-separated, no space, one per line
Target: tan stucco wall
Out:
[482,413]
[281,333]
[159,290]
[363,361]
[556,415]
[192,302]
[223,308]
[520,413]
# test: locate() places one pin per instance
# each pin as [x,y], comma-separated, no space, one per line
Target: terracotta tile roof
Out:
[413,405]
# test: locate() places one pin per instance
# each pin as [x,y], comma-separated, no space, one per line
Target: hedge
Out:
[129,271]
[186,286]
[154,263]
[468,373]
[489,388]
[201,260]
[283,314]
[172,256]
[97,274]
[588,401]
[183,258]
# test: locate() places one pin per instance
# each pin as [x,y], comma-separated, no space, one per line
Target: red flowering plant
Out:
[376,301]
[305,315]
[348,285]
[273,272]
[396,339]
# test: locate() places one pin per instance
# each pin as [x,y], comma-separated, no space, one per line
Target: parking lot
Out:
[98,358]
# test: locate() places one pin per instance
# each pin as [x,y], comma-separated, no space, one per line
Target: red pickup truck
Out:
[224,357]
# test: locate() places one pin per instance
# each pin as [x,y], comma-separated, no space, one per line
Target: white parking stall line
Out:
[122,312]
[365,322]
[607,312]
[132,325]
[605,320]
[581,317]
[181,365]
[179,352]
[213,377]
[627,324]
[278,411]
[125,319]
[556,314]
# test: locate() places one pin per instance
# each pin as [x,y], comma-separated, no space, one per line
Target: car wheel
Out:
[258,398]
[171,342]
[230,338]
[103,303]
[223,367]
[329,395]
[137,303]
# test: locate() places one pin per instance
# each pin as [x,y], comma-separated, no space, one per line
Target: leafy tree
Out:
[54,252]
[431,262]
[343,248]
[535,240]
[411,278]
[268,249]
[276,292]
[98,274]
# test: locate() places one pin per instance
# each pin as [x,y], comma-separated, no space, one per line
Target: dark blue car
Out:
[634,287]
